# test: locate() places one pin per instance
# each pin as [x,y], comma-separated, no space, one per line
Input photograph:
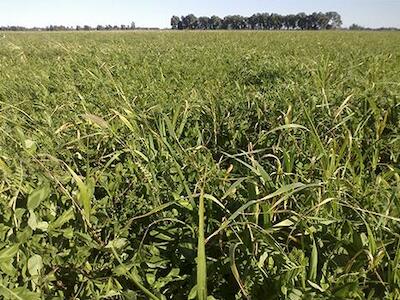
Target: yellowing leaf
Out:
[285,223]
[96,120]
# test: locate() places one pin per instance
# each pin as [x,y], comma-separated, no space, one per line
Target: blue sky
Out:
[157,13]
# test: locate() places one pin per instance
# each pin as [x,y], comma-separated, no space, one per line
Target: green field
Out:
[181,165]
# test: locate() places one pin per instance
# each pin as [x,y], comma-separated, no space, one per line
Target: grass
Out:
[209,165]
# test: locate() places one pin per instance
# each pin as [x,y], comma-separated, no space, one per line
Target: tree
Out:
[356,27]
[180,25]
[215,22]
[189,22]
[302,21]
[276,21]
[290,22]
[313,21]
[253,21]
[323,20]
[133,25]
[265,21]
[227,23]
[335,20]
[175,22]
[203,23]
[234,22]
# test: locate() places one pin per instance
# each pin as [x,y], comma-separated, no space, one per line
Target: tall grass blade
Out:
[84,194]
[201,254]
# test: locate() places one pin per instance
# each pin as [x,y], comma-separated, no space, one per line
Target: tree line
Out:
[359,27]
[73,28]
[260,21]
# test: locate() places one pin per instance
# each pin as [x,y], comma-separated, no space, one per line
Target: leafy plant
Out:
[224,165]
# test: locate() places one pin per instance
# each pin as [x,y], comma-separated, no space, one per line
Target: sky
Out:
[157,13]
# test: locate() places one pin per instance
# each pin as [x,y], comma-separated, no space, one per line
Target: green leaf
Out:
[35,265]
[132,274]
[7,268]
[117,244]
[34,224]
[287,190]
[296,295]
[151,278]
[215,200]
[314,262]
[37,196]
[201,254]
[124,120]
[84,194]
[345,291]
[315,286]
[130,295]
[234,269]
[8,253]
[20,293]
[193,293]
[64,218]
[232,188]
[371,240]
[6,259]
[4,167]
[30,146]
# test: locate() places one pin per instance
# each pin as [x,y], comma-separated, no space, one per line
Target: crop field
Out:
[200,165]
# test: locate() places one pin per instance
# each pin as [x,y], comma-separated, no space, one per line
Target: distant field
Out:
[123,154]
